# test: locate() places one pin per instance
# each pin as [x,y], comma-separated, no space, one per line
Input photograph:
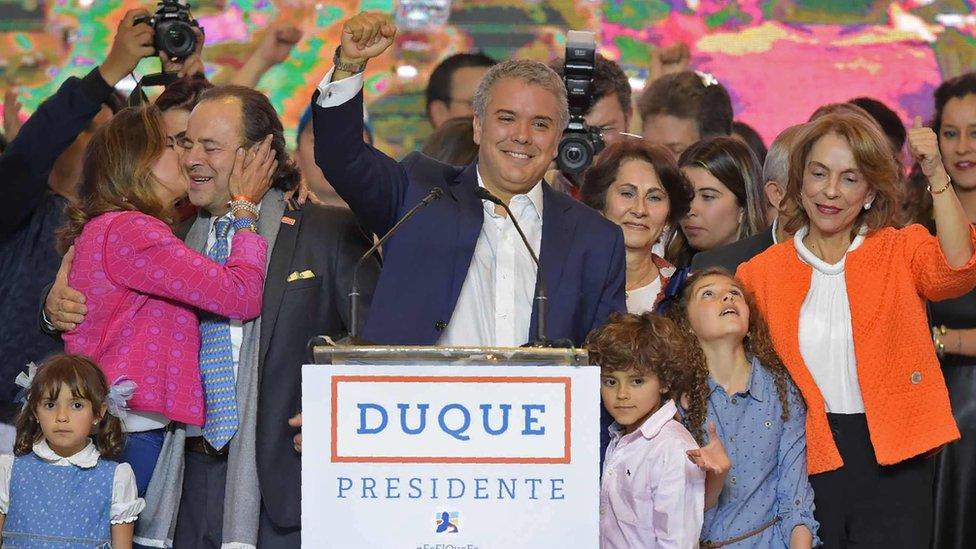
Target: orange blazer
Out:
[888,277]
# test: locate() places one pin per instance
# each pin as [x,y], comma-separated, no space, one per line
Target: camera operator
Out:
[40,173]
[609,112]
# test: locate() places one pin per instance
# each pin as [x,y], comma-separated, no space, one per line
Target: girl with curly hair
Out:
[62,489]
[738,383]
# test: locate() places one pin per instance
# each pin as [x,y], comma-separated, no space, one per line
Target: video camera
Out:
[173,26]
[580,143]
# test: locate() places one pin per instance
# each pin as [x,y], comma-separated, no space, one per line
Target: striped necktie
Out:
[217,362]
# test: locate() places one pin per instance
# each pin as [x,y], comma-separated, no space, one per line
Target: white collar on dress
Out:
[86,458]
[811,259]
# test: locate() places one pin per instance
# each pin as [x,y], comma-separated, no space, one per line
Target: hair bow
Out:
[118,396]
[707,78]
[24,381]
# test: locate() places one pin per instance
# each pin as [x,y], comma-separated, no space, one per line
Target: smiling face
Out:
[518,137]
[715,215]
[638,202]
[66,421]
[957,141]
[213,134]
[834,189]
[631,397]
[717,309]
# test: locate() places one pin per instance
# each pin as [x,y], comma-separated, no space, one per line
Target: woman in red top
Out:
[639,187]
[845,301]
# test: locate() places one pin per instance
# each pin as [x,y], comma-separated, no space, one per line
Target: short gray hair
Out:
[531,72]
[776,168]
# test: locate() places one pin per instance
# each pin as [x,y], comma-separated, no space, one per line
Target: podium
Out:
[450,447]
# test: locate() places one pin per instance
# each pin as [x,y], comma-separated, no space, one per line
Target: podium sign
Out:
[450,457]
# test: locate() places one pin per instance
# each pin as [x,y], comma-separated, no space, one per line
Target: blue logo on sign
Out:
[446,523]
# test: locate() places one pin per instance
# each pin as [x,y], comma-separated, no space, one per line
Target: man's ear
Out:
[774,194]
[476,130]
[437,113]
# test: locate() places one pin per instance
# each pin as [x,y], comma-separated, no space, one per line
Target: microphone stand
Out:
[433,195]
[541,299]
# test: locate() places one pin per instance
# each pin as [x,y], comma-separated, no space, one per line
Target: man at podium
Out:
[459,273]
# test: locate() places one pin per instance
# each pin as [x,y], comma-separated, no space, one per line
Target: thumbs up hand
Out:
[924,146]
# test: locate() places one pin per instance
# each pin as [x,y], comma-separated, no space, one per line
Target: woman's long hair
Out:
[117,172]
[757,342]
[85,380]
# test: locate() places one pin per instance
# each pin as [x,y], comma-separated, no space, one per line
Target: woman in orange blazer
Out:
[845,301]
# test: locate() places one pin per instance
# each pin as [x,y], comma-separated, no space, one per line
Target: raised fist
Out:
[366,35]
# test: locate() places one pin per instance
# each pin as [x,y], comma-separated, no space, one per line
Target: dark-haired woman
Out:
[954,323]
[639,187]
[728,203]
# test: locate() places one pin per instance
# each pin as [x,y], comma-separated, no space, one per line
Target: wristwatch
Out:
[352,68]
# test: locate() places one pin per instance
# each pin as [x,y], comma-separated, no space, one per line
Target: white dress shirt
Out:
[825,334]
[495,304]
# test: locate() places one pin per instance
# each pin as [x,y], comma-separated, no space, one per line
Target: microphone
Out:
[541,301]
[433,195]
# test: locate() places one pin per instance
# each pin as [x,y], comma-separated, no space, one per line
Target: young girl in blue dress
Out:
[59,491]
[742,387]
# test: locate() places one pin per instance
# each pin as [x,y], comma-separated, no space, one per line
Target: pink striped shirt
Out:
[651,495]
[143,288]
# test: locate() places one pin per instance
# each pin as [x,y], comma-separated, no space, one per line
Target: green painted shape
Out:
[635,14]
[633,52]
[328,16]
[377,5]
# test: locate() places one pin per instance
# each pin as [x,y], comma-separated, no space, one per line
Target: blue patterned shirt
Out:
[768,478]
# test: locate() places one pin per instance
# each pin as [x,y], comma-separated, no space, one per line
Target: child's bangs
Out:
[52,377]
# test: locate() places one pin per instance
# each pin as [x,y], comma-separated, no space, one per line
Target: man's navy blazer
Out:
[426,261]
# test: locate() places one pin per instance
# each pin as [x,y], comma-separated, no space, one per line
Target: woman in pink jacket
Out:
[143,286]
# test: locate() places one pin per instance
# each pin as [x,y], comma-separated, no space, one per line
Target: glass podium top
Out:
[327,352]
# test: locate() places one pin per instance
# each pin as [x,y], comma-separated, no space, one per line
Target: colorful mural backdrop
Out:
[780,59]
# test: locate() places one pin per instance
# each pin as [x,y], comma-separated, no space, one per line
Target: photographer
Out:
[40,173]
[609,112]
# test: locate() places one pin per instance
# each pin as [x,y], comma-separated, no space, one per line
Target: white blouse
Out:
[126,503]
[825,334]
[640,300]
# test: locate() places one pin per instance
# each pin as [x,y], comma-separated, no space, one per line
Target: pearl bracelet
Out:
[238,205]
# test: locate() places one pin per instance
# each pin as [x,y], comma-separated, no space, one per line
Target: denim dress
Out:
[60,507]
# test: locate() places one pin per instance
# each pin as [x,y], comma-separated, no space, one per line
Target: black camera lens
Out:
[575,154]
[176,38]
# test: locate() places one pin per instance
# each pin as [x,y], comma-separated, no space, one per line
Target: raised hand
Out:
[132,43]
[11,115]
[712,457]
[253,169]
[366,35]
[924,146]
[668,60]
[277,44]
